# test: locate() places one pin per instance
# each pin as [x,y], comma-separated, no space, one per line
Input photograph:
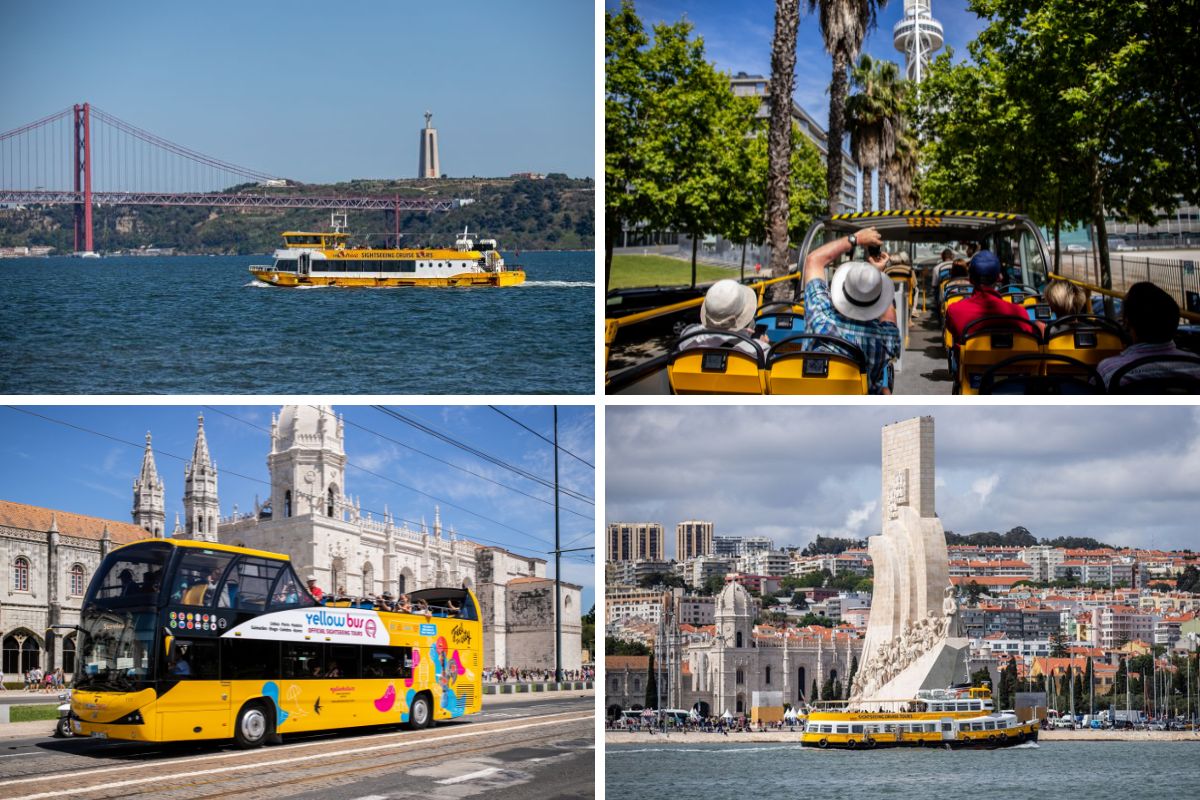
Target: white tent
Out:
[727,715]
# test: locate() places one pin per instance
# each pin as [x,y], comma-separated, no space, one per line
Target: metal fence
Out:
[1179,277]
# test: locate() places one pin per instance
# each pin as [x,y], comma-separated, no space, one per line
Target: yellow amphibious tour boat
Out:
[327,259]
[949,718]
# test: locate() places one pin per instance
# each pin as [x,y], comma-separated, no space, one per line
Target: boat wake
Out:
[562,284]
[1025,746]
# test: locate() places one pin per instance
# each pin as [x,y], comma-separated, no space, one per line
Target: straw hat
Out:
[860,291]
[728,306]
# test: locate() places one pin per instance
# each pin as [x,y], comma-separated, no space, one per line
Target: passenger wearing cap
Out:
[315,590]
[857,306]
[984,272]
[728,306]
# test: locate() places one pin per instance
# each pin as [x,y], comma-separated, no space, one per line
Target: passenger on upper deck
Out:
[316,591]
[1151,316]
[984,272]
[857,307]
[958,274]
[1066,299]
[728,306]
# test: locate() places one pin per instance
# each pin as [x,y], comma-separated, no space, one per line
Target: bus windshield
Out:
[130,576]
[116,650]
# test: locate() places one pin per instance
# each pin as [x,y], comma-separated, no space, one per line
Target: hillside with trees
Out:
[1021,537]
[555,213]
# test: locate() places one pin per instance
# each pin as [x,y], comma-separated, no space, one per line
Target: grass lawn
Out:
[32,713]
[630,271]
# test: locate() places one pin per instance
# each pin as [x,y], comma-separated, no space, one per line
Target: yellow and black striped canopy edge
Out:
[926,212]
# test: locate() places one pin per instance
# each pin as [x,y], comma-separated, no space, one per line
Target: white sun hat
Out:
[860,291]
[728,306]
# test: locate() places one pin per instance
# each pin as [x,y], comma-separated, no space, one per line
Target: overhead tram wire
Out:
[311,496]
[540,436]
[481,454]
[448,503]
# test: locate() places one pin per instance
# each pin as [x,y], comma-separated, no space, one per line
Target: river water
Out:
[202,325]
[1048,769]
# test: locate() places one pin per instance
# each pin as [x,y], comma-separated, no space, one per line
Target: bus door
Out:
[947,729]
[197,703]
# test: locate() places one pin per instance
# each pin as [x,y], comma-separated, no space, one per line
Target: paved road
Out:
[527,748]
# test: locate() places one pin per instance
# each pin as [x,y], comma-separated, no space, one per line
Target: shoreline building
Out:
[429,165]
[693,539]
[636,541]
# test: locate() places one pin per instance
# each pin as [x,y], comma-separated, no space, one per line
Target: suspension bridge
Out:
[84,156]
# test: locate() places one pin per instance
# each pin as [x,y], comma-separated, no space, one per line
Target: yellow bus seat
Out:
[1085,338]
[989,340]
[840,368]
[1048,374]
[716,368]
[194,596]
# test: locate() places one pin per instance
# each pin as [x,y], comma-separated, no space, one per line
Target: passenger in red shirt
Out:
[984,271]
[315,590]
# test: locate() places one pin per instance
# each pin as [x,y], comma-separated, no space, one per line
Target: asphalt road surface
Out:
[520,748]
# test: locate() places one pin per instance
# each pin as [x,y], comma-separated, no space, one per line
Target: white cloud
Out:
[983,487]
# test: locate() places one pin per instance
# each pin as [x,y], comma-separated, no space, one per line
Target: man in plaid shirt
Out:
[857,307]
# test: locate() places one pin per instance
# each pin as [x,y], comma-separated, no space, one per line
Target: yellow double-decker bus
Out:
[184,640]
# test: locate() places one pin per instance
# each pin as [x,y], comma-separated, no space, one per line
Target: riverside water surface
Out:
[1048,769]
[202,325]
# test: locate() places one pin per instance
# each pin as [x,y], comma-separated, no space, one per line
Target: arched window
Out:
[403,582]
[77,580]
[368,573]
[330,502]
[800,685]
[21,574]
[738,639]
[768,676]
[287,503]
[740,677]
[338,576]
[68,655]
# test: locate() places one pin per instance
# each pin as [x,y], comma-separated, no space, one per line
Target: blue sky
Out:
[1125,475]
[51,465]
[737,38]
[320,91]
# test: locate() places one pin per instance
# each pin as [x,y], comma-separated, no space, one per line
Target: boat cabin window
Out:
[305,240]
[843,729]
[285,265]
[856,728]
[989,725]
[947,726]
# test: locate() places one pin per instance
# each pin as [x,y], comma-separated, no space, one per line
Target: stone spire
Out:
[200,504]
[149,505]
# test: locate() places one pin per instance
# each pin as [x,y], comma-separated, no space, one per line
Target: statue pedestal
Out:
[942,666]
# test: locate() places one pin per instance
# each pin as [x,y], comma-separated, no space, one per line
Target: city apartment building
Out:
[1115,625]
[693,538]
[1013,622]
[632,573]
[1043,559]
[734,546]
[697,571]
[636,541]
[765,562]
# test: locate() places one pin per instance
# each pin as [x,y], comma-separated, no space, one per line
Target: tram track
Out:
[125,780]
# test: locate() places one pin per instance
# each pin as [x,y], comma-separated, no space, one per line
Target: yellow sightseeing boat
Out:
[327,259]
[949,718]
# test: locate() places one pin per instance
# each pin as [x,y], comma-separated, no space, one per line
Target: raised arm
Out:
[826,254]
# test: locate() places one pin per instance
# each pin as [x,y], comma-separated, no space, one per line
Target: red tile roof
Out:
[36,518]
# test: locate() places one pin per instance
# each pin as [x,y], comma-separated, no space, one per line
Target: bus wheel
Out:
[420,713]
[251,728]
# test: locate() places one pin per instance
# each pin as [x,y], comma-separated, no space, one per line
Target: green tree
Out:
[981,677]
[622,647]
[844,23]
[872,118]
[973,592]
[626,94]
[1058,645]
[850,677]
[815,693]
[588,632]
[865,586]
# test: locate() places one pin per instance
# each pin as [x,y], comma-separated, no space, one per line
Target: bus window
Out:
[288,593]
[387,662]
[302,660]
[249,584]
[249,659]
[195,659]
[197,577]
[342,661]
[130,576]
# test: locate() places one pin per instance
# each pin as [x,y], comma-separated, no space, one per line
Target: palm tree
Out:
[779,137]
[901,169]
[871,117]
[844,23]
